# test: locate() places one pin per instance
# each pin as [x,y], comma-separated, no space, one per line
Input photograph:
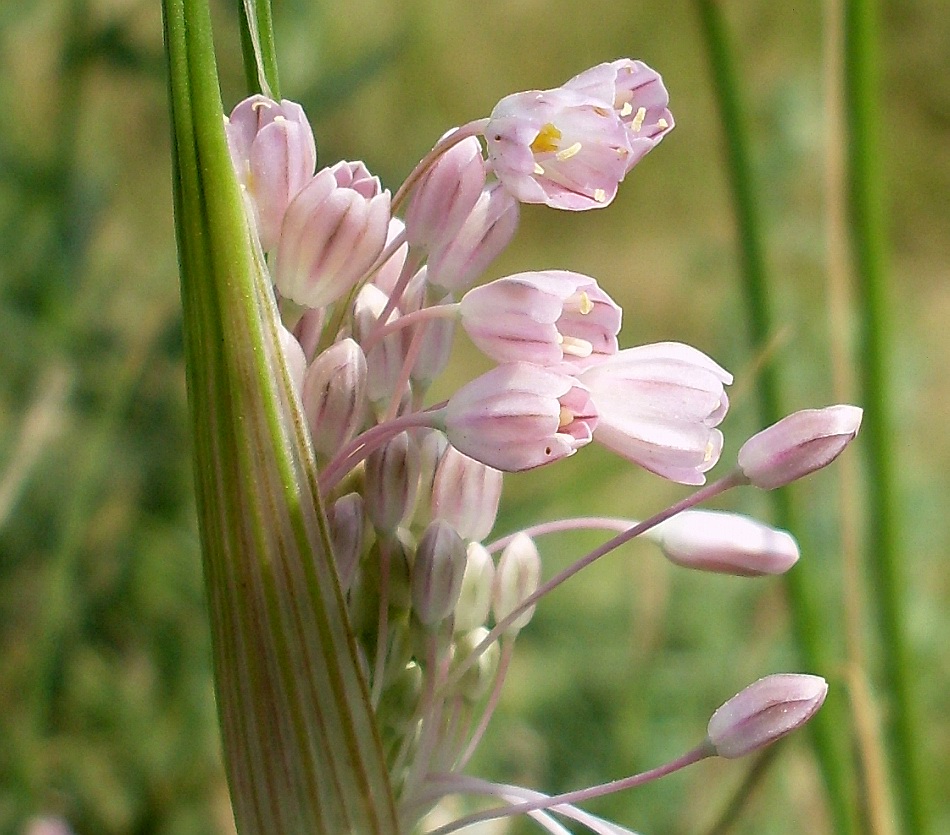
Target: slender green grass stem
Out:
[868,236]
[258,48]
[827,729]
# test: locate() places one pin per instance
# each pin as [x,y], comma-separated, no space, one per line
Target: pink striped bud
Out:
[437,572]
[385,359]
[330,237]
[518,416]
[274,155]
[465,493]
[763,712]
[798,445]
[658,406]
[392,477]
[347,520]
[293,356]
[475,597]
[446,195]
[727,543]
[545,317]
[334,396]
[516,578]
[456,264]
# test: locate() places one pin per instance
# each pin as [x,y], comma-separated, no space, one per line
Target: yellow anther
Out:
[662,124]
[538,170]
[600,196]
[627,109]
[584,304]
[567,153]
[637,122]
[572,346]
[709,452]
[565,417]
[546,140]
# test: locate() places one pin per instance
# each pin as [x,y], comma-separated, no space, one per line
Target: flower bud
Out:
[330,237]
[274,155]
[727,543]
[466,493]
[476,680]
[385,359]
[763,712]
[308,329]
[392,478]
[455,264]
[334,396]
[475,597]
[437,573]
[798,445]
[517,577]
[346,521]
[446,195]
[293,356]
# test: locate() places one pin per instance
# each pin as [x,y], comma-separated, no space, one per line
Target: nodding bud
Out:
[466,493]
[476,680]
[516,579]
[446,195]
[727,543]
[346,520]
[437,572]
[763,712]
[392,478]
[798,445]
[475,597]
[335,396]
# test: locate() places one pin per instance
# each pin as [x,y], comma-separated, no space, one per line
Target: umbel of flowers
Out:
[372,288]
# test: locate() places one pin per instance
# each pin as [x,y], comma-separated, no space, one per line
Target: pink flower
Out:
[638,96]
[541,317]
[560,147]
[330,236]
[274,155]
[519,416]
[658,405]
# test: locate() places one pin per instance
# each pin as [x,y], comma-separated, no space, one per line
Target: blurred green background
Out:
[106,707]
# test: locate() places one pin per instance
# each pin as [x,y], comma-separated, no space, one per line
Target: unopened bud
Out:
[476,680]
[334,396]
[798,445]
[384,360]
[763,712]
[392,477]
[293,356]
[346,520]
[517,577]
[474,601]
[466,493]
[727,543]
[437,573]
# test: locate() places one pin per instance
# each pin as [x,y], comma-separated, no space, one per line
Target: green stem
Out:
[258,47]
[868,236]
[829,728]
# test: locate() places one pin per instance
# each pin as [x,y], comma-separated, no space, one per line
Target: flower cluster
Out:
[371,287]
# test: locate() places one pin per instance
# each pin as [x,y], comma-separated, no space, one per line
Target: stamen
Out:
[627,109]
[600,196]
[584,304]
[573,346]
[709,452]
[662,124]
[538,170]
[567,153]
[546,140]
[637,122]
[565,418]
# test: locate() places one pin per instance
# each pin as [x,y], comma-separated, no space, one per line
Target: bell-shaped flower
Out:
[330,237]
[638,96]
[763,712]
[446,195]
[560,147]
[455,264]
[274,154]
[518,416]
[798,445]
[543,317]
[658,406]
[727,543]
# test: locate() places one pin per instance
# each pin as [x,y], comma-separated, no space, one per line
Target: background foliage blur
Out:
[106,707]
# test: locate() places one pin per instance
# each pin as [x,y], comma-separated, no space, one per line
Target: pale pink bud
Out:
[559,147]
[544,317]
[346,520]
[385,359]
[437,572]
[392,478]
[637,95]
[518,416]
[658,406]
[478,678]
[274,155]
[466,493]
[517,578]
[727,543]
[437,336]
[455,264]
[330,237]
[308,329]
[335,396]
[475,597]
[355,175]
[387,275]
[798,445]
[293,356]
[763,712]
[446,195]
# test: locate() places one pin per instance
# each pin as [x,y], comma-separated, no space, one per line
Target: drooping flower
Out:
[658,405]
